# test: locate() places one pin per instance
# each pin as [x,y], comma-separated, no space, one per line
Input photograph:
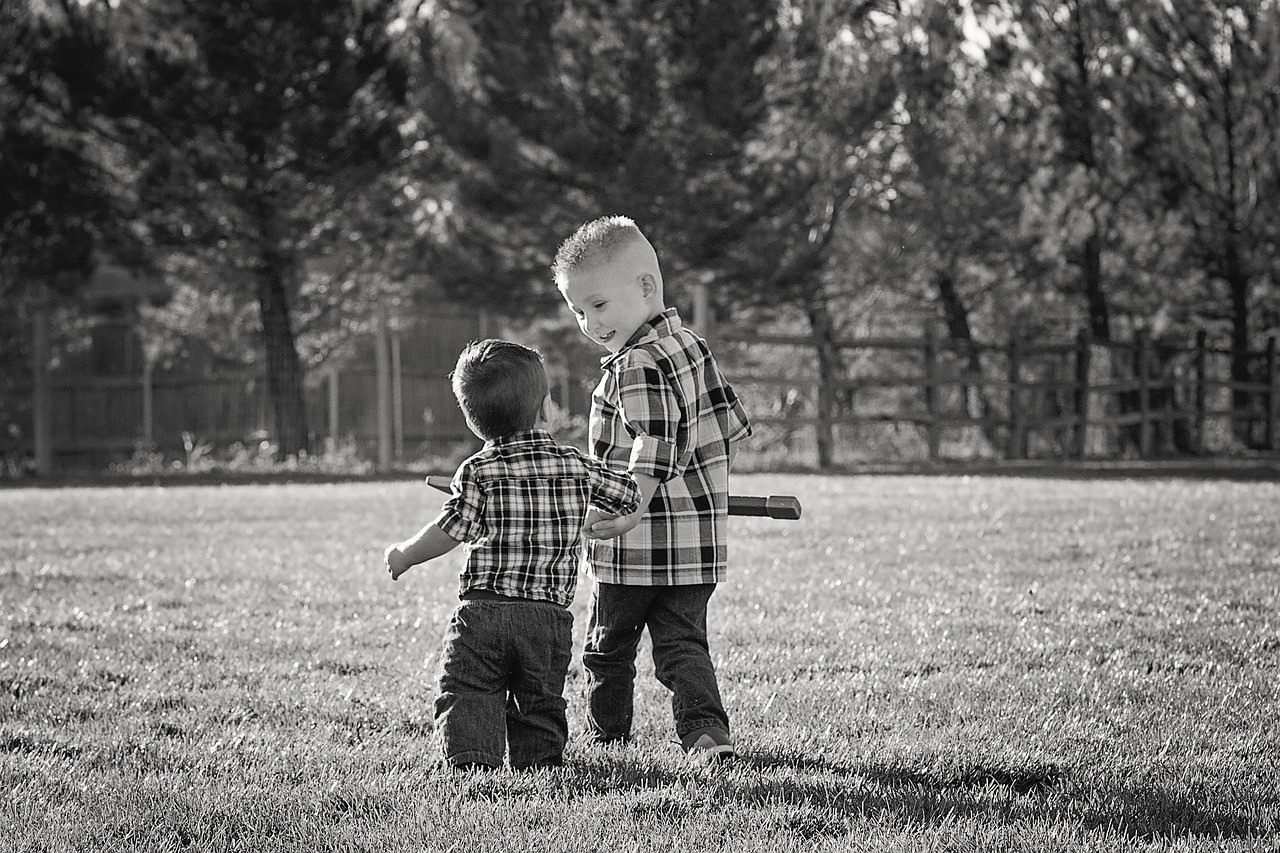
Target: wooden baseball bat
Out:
[786,507]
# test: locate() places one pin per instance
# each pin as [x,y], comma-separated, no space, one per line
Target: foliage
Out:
[260,457]
[546,115]
[1213,154]
[67,95]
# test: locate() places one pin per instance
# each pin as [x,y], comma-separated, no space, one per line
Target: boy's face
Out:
[610,303]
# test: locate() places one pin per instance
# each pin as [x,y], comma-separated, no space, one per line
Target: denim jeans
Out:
[502,679]
[676,617]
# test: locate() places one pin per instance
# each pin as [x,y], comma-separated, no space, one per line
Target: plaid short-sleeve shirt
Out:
[663,408]
[519,505]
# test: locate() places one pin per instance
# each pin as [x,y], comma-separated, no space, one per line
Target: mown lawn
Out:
[920,663]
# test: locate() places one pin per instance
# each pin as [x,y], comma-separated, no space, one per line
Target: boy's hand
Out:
[611,526]
[594,515]
[397,562]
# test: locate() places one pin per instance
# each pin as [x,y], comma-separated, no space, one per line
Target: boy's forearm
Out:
[648,487]
[427,544]
[608,526]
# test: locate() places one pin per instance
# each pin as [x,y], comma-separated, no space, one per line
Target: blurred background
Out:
[247,235]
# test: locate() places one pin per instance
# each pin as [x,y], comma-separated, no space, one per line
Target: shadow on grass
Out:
[823,799]
[1030,781]
[1149,813]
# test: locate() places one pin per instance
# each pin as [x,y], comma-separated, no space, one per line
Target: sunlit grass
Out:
[918,664]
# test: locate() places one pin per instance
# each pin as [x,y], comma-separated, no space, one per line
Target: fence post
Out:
[41,394]
[382,364]
[1202,340]
[1273,396]
[1143,342]
[148,401]
[334,391]
[1015,449]
[1168,376]
[702,318]
[930,356]
[1084,352]
[397,397]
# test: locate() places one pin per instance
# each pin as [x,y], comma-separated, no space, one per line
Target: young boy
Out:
[519,504]
[663,410]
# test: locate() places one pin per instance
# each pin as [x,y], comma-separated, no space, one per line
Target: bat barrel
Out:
[786,507]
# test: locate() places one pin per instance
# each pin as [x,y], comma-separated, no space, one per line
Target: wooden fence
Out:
[938,398]
[97,420]
[1022,399]
[393,413]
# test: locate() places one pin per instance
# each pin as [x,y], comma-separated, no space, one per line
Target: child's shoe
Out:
[708,745]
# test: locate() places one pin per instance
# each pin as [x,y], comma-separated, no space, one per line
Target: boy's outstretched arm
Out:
[608,528]
[427,544]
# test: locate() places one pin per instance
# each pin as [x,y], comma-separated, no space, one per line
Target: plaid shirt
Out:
[519,504]
[663,408]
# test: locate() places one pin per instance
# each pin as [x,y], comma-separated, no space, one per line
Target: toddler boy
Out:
[520,504]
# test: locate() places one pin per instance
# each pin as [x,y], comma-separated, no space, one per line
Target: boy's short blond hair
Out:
[598,242]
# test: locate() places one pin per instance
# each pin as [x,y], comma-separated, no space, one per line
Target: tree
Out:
[966,155]
[66,193]
[546,114]
[1076,45]
[814,160]
[1212,133]
[66,97]
[256,110]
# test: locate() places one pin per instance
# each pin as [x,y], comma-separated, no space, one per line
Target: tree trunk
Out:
[284,366]
[831,373]
[1238,282]
[1095,295]
[1078,100]
[956,315]
[1237,275]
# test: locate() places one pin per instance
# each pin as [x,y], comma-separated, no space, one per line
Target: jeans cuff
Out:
[473,756]
[700,726]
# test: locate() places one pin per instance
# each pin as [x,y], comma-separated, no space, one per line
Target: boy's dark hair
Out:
[500,385]
[598,241]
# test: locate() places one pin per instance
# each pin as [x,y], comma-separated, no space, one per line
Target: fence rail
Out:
[1043,399]
[1077,399]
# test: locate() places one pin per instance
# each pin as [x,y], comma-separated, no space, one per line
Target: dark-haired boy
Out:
[519,504]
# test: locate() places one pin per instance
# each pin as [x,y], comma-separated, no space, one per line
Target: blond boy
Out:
[664,411]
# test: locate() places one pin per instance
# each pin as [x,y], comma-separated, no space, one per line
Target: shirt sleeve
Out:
[654,417]
[462,516]
[612,491]
[739,425]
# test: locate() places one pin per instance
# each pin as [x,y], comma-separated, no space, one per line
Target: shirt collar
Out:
[663,325]
[524,437]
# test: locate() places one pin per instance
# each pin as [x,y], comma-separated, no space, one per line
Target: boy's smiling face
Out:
[610,302]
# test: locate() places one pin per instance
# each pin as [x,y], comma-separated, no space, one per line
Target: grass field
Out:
[921,663]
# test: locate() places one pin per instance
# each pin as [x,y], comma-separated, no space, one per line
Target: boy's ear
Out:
[544,414]
[648,286]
